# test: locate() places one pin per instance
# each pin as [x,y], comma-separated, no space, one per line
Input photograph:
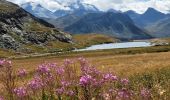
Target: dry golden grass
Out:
[120,64]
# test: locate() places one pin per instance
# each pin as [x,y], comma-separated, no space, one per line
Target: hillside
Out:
[18,28]
[115,24]
[160,28]
[64,21]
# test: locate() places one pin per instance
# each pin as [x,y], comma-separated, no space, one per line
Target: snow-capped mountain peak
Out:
[37,10]
[31,5]
[64,7]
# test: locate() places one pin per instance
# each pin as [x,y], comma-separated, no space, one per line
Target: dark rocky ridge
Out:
[19,27]
[115,24]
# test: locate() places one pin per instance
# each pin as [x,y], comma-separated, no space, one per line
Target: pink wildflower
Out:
[110,77]
[124,81]
[60,91]
[5,62]
[1,98]
[145,93]
[35,84]
[70,93]
[43,69]
[20,92]
[68,62]
[123,94]
[85,80]
[22,73]
[60,70]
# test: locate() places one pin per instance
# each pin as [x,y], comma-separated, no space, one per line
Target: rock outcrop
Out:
[19,27]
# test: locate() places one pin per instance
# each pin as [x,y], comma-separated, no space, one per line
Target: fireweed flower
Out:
[68,62]
[59,70]
[35,84]
[43,69]
[110,77]
[20,92]
[60,91]
[94,71]
[1,98]
[145,93]
[2,62]
[49,78]
[85,80]
[70,93]
[97,83]
[52,65]
[112,91]
[22,73]
[123,94]
[5,62]
[90,70]
[82,61]
[124,81]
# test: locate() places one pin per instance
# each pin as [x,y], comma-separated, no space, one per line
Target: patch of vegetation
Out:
[85,40]
[33,26]
[77,80]
[4,7]
[32,48]
[157,81]
[57,46]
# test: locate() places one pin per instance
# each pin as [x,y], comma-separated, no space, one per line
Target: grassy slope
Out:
[86,40]
[7,7]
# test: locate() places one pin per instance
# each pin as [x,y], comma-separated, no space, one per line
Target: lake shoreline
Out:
[118,45]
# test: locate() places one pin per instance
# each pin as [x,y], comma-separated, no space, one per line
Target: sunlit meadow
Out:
[79,80]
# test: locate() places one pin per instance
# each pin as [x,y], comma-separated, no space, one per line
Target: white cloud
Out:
[136,5]
[123,5]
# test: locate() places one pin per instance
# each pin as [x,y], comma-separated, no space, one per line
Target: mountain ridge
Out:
[40,11]
[149,17]
[116,24]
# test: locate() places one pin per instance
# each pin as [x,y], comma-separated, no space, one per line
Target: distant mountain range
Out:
[148,18]
[77,7]
[84,18]
[115,24]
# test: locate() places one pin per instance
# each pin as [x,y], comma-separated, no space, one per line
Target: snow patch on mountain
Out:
[63,8]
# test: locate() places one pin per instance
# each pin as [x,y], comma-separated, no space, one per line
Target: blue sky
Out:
[137,5]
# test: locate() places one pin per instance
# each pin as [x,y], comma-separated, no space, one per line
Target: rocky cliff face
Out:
[19,27]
